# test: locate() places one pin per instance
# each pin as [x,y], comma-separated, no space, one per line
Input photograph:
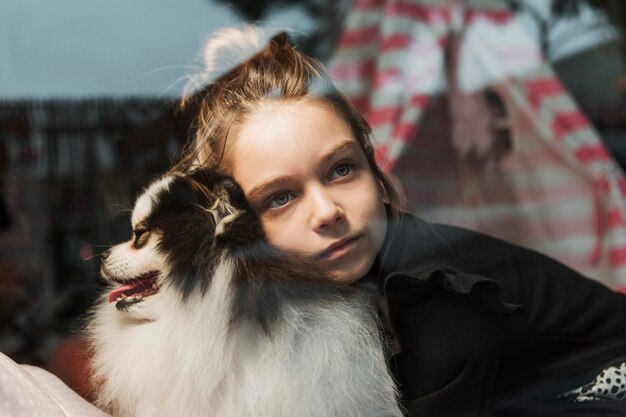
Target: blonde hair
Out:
[269,72]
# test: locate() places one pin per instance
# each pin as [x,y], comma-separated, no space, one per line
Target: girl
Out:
[475,326]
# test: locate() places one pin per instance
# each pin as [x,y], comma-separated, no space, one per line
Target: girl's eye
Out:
[280,199]
[341,170]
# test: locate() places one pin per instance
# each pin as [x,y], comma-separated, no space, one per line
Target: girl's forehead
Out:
[278,127]
[288,139]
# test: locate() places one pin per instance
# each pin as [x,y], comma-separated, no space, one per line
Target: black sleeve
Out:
[450,344]
[553,295]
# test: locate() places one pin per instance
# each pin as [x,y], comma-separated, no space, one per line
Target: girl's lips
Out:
[340,248]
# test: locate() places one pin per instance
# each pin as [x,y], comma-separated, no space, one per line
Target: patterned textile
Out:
[556,190]
[32,391]
[609,385]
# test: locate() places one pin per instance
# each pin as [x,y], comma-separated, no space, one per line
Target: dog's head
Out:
[182,224]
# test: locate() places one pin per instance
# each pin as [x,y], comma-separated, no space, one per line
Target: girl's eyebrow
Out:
[267,184]
[284,178]
[351,143]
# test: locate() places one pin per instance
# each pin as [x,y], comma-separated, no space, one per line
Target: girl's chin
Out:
[349,274]
[346,278]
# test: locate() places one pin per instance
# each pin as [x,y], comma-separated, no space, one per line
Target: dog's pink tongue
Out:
[145,287]
[116,293]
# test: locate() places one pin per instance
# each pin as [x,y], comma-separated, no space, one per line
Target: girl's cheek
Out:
[289,233]
[276,233]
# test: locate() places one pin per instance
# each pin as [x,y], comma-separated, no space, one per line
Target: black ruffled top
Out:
[480,327]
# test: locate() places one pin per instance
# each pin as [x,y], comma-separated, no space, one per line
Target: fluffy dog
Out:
[203,318]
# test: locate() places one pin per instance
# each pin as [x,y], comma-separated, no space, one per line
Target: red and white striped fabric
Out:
[557,191]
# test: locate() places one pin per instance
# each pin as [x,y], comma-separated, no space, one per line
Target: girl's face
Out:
[307,177]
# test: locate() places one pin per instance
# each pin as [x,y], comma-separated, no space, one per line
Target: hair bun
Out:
[229,47]
[225,49]
[281,39]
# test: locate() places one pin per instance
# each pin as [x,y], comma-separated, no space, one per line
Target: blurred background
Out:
[507,117]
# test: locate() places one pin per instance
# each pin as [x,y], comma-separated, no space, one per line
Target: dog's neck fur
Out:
[322,358]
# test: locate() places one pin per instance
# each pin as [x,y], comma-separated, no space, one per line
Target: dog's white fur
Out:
[176,357]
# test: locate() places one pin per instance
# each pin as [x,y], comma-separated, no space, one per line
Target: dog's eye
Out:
[140,235]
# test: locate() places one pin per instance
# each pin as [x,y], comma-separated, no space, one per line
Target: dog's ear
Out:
[239,224]
[235,220]
[225,192]
[229,190]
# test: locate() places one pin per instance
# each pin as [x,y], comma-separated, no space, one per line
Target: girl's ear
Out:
[383,192]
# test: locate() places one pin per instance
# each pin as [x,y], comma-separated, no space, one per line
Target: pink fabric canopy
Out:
[556,189]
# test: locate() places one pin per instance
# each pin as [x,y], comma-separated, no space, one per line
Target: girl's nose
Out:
[325,211]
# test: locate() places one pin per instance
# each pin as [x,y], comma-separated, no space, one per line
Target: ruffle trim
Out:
[486,290]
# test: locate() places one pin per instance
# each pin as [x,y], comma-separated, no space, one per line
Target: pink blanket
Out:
[29,390]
